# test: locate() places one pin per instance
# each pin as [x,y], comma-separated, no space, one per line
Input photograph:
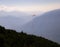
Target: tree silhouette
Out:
[11,38]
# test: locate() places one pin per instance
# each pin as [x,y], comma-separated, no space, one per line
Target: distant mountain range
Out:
[14,20]
[47,25]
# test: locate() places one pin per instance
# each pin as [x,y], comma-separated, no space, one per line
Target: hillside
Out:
[11,38]
[47,25]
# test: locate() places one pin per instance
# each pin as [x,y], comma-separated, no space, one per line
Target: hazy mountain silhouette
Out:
[14,20]
[46,25]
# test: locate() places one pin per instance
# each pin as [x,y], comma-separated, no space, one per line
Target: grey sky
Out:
[30,4]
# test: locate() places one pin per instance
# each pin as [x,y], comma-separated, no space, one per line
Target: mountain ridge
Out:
[47,25]
[11,38]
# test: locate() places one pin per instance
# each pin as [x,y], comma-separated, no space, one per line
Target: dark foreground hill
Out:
[11,38]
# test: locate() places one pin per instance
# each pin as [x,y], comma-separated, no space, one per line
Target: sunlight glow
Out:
[29,8]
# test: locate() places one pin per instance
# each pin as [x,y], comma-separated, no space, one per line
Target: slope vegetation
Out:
[11,38]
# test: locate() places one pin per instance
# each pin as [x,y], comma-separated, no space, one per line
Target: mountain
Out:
[13,13]
[11,38]
[14,20]
[47,25]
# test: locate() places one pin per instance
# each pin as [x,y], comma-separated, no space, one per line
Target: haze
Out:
[29,5]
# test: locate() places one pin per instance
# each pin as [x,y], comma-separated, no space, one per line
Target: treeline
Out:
[11,38]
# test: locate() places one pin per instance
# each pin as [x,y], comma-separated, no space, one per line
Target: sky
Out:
[29,5]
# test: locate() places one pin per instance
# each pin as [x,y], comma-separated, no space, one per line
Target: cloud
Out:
[29,8]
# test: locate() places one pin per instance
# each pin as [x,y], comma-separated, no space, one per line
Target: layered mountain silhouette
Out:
[11,38]
[47,25]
